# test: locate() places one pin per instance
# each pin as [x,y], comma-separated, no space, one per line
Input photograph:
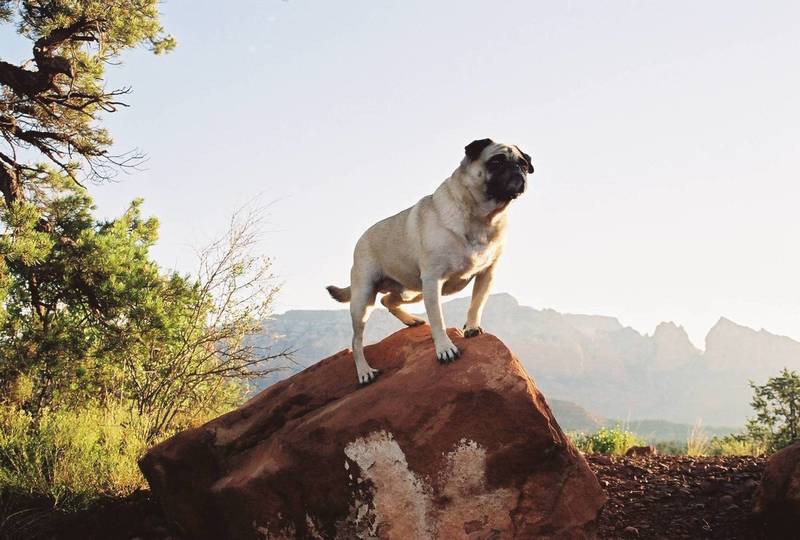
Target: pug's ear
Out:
[475,148]
[527,158]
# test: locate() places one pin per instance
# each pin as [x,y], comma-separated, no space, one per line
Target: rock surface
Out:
[778,498]
[468,450]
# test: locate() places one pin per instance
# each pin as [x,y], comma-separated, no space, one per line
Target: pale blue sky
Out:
[665,137]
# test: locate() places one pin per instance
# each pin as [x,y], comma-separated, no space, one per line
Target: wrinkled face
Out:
[502,169]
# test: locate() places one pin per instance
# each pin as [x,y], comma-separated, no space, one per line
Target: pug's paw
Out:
[368,376]
[472,332]
[447,353]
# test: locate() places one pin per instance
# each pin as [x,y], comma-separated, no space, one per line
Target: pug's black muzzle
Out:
[507,184]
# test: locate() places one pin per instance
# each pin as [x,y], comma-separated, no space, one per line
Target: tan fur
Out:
[434,248]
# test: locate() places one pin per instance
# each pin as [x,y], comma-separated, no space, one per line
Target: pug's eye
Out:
[496,161]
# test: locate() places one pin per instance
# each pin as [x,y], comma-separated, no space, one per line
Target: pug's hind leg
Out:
[393,301]
[361,302]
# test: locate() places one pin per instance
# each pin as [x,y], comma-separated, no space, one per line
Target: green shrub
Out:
[172,353]
[777,407]
[736,445]
[70,456]
[671,448]
[606,441]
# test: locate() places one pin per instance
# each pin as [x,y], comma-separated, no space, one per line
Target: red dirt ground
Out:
[670,497]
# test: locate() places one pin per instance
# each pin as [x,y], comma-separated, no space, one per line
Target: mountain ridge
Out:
[591,360]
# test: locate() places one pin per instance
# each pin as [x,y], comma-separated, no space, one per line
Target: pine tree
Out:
[51,105]
[52,143]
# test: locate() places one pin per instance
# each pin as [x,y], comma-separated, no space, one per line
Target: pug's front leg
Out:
[480,293]
[446,351]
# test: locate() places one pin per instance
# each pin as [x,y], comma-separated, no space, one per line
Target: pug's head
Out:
[497,171]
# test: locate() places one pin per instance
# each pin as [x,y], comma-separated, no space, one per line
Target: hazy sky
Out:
[665,136]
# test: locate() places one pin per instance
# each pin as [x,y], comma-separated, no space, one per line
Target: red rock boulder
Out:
[467,450]
[777,502]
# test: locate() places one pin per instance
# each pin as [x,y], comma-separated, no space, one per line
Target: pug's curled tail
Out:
[339,294]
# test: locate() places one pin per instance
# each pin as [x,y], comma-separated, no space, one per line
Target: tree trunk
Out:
[10,185]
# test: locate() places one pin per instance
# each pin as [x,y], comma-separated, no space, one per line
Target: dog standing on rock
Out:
[437,247]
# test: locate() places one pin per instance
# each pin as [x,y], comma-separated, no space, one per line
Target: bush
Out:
[671,448]
[606,441]
[70,456]
[85,390]
[777,407]
[736,445]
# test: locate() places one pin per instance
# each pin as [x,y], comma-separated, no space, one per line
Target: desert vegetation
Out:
[172,352]
[776,425]
[104,353]
[616,441]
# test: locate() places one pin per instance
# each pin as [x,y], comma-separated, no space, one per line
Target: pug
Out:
[436,248]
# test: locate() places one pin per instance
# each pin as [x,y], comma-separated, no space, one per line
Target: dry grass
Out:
[698,442]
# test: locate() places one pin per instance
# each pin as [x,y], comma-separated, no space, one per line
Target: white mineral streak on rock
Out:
[403,502]
[472,508]
[401,499]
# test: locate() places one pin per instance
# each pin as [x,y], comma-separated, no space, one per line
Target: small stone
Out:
[631,532]
[641,451]
[726,500]
[603,460]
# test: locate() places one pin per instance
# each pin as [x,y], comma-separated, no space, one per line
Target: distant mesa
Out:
[611,370]
[591,325]
[732,345]
[673,347]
